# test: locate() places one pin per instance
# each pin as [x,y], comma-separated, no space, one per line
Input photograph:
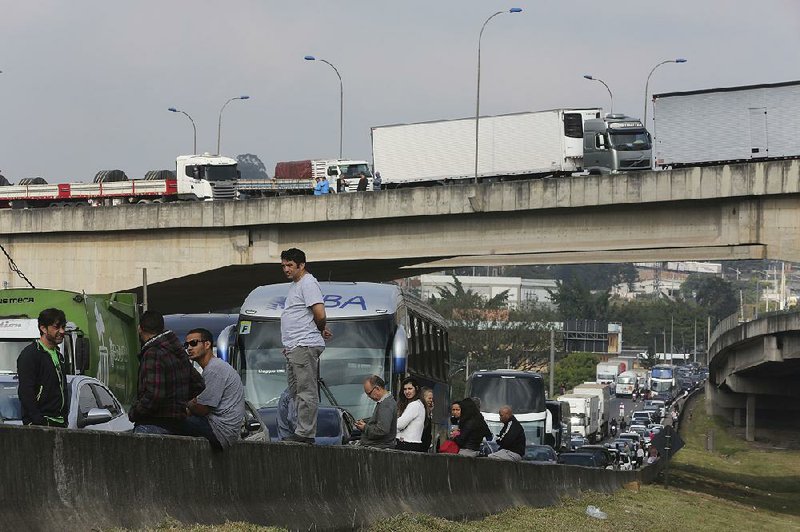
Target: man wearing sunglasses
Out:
[216,414]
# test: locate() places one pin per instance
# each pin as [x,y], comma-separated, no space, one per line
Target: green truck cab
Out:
[101,335]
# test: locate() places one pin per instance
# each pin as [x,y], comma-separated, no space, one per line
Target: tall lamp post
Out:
[219,122]
[478,97]
[194,127]
[647,85]
[341,96]
[589,77]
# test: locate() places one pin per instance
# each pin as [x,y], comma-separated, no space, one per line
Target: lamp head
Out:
[172,109]
[515,10]
[587,76]
[310,58]
[680,60]
[244,97]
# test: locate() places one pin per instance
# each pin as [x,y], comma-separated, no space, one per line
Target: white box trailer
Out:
[520,144]
[727,125]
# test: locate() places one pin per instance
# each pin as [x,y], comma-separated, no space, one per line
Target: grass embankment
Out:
[739,486]
[750,474]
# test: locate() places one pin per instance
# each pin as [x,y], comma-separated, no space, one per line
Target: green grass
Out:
[736,470]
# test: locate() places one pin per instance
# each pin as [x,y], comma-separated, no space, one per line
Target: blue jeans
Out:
[198,426]
[150,429]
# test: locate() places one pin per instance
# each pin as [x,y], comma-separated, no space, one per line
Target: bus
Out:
[523,391]
[377,329]
[663,383]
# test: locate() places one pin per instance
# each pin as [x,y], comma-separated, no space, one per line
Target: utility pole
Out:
[466,370]
[144,289]
[665,345]
[671,336]
[552,361]
[708,338]
[694,353]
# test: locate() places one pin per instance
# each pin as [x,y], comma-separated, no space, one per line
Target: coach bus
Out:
[663,382]
[523,391]
[377,329]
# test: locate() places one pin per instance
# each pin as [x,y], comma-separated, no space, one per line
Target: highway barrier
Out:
[57,479]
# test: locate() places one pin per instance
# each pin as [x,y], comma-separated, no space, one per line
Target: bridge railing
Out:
[734,320]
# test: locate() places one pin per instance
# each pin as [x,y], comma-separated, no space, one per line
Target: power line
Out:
[14,268]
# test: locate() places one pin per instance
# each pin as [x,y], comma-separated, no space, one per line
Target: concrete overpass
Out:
[755,365]
[200,255]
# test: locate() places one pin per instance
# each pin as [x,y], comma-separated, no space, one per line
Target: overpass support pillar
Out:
[750,427]
[738,417]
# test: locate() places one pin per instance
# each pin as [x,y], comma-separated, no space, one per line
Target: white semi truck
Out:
[584,414]
[603,394]
[196,177]
[727,125]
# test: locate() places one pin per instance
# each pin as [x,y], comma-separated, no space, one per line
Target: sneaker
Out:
[299,439]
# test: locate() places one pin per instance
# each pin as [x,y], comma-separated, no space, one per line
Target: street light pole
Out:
[219,122]
[194,127]
[589,77]
[478,96]
[647,85]
[341,97]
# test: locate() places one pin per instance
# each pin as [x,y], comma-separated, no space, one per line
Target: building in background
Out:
[520,291]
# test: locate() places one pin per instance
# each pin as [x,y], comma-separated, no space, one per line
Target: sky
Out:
[86,84]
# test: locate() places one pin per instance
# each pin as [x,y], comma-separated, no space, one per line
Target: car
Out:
[642,416]
[540,453]
[633,437]
[576,441]
[624,462]
[579,459]
[96,407]
[604,457]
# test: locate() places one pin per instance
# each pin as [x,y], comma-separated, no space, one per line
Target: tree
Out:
[251,166]
[713,293]
[576,368]
[576,301]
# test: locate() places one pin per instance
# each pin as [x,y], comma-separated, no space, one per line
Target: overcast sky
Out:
[86,84]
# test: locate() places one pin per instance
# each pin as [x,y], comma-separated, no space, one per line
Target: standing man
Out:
[217,413]
[511,438]
[381,429]
[376,181]
[40,368]
[362,183]
[303,333]
[167,379]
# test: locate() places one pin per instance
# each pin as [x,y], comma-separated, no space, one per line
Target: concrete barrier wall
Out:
[56,479]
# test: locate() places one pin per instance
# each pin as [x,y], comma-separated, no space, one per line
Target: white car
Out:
[92,405]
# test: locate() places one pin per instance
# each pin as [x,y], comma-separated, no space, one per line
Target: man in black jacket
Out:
[42,381]
[511,438]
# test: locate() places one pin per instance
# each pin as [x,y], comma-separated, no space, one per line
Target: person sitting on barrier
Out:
[472,429]
[216,414]
[167,379]
[411,417]
[427,431]
[511,438]
[455,417]
[381,429]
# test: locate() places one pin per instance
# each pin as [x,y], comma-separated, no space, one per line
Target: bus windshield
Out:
[9,351]
[661,373]
[359,348]
[661,386]
[524,394]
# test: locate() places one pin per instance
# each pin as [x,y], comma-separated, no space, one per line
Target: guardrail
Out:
[733,321]
[57,479]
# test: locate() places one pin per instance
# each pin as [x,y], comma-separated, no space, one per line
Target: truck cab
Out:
[346,170]
[206,177]
[616,143]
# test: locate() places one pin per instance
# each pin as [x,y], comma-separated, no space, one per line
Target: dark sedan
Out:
[540,453]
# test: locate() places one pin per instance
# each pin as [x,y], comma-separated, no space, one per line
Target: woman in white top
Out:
[411,417]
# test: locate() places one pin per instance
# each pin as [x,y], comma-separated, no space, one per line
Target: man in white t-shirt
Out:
[303,334]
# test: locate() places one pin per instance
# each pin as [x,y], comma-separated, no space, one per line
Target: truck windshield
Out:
[523,394]
[661,386]
[624,380]
[9,351]
[358,349]
[630,140]
[220,172]
[352,170]
[605,377]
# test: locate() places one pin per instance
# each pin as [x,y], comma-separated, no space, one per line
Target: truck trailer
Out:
[727,125]
[584,415]
[603,394]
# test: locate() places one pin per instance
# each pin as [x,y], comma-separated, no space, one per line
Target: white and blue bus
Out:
[377,329]
[663,383]
[523,391]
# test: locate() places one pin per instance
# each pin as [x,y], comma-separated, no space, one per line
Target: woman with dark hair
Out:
[411,417]
[472,429]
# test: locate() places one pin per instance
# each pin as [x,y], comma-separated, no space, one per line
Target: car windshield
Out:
[539,454]
[525,394]
[9,351]
[359,348]
[10,407]
[625,380]
[630,141]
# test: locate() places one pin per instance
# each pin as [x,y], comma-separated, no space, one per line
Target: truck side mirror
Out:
[400,350]
[81,354]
